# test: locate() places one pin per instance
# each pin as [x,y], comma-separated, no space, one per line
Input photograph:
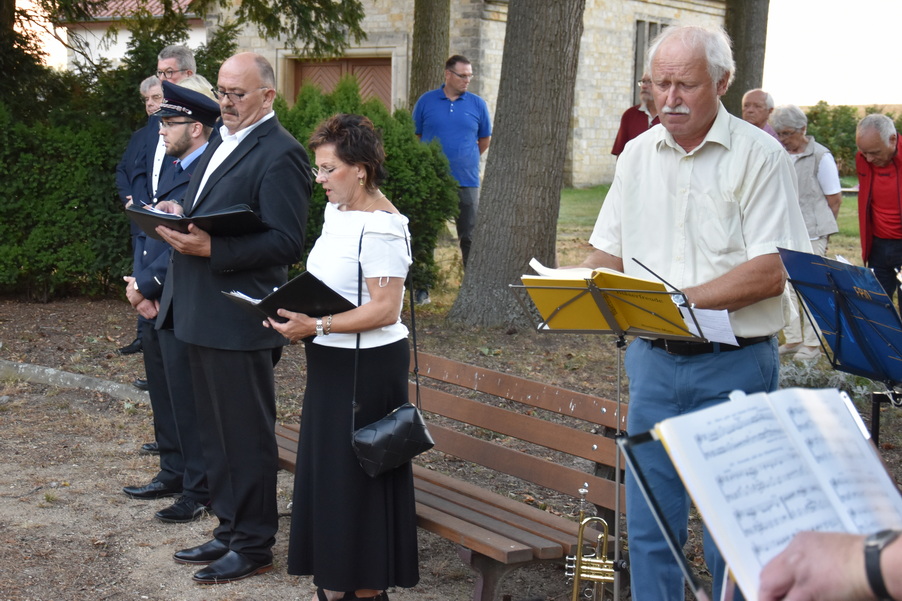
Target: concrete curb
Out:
[64,379]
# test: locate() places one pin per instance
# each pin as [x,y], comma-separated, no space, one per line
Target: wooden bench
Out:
[544,435]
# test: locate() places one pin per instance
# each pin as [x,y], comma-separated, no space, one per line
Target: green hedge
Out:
[62,229]
[419,180]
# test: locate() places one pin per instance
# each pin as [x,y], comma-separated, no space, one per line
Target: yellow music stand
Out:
[605,302]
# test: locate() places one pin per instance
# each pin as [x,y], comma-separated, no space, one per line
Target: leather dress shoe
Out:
[134,347]
[208,552]
[140,384]
[230,567]
[150,448]
[184,510]
[154,490]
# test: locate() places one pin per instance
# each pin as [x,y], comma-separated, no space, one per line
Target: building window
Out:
[645,33]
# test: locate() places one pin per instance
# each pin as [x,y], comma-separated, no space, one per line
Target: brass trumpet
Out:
[593,567]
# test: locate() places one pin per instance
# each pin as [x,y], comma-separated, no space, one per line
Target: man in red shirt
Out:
[879,169]
[637,119]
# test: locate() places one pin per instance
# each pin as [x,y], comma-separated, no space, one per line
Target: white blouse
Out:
[384,253]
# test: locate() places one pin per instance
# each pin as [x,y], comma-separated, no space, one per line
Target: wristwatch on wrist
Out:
[319,328]
[873,547]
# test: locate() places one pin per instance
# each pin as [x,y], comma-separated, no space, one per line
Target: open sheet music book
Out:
[638,306]
[762,467]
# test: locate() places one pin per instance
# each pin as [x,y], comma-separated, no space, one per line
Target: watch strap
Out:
[873,548]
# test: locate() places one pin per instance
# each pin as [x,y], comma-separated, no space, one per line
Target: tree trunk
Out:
[746,22]
[431,25]
[521,194]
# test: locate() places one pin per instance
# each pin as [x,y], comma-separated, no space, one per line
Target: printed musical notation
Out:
[763,467]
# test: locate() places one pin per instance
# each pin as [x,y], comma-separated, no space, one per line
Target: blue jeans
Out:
[662,386]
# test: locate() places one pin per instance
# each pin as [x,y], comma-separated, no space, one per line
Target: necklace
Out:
[380,197]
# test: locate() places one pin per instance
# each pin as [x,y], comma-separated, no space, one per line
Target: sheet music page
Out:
[752,487]
[576,273]
[829,434]
[715,324]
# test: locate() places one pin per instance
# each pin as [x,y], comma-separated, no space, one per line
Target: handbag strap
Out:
[413,329]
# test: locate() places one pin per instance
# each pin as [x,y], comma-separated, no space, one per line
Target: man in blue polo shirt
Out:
[461,122]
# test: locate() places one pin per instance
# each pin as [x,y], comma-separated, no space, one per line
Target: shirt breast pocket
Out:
[720,225]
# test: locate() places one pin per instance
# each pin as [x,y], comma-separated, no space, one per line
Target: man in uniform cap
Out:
[186,121]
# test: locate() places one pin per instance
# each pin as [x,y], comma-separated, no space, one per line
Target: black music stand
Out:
[858,321]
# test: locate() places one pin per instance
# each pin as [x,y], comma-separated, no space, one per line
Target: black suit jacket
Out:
[152,256]
[269,171]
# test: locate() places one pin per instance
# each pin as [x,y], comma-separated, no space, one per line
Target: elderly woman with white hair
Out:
[819,198]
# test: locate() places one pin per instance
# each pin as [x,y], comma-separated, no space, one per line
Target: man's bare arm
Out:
[599,258]
[755,280]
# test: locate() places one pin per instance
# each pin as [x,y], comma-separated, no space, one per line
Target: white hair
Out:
[715,42]
[768,99]
[788,116]
[882,124]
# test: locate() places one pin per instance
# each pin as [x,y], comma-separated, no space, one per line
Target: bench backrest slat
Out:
[551,398]
[593,447]
[526,467]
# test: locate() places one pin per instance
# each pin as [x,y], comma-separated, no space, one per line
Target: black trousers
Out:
[172,465]
[181,395]
[236,413]
[885,259]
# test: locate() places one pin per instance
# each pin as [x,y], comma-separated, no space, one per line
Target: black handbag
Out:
[402,434]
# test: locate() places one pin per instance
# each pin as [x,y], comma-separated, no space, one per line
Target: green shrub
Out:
[834,127]
[62,230]
[419,180]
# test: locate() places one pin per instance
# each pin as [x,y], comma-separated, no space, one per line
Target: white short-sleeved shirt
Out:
[692,217]
[385,253]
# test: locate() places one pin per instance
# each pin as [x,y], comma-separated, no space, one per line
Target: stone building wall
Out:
[605,78]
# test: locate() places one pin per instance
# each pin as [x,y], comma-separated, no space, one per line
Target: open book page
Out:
[756,488]
[615,302]
[751,486]
[831,436]
[574,273]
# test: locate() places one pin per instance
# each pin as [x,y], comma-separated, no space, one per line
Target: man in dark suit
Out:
[131,172]
[187,119]
[254,162]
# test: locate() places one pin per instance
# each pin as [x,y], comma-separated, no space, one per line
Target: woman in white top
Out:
[354,534]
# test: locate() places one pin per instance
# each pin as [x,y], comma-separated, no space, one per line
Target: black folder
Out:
[304,294]
[234,221]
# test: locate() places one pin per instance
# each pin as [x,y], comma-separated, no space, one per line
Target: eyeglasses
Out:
[168,124]
[787,133]
[168,73]
[326,173]
[643,82]
[154,98]
[234,97]
[465,77]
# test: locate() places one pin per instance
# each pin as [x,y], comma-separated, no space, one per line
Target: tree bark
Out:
[521,194]
[431,26]
[746,23]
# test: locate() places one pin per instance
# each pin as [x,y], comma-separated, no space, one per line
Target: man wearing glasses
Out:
[254,162]
[187,119]
[461,122]
[637,119]
[175,63]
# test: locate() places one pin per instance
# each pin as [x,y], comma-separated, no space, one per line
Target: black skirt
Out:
[350,531]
